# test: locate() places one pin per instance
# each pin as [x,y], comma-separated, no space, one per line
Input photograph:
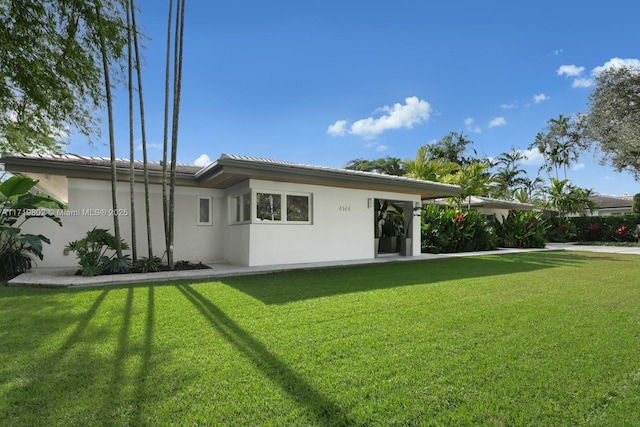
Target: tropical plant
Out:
[522,229]
[560,229]
[565,198]
[17,206]
[454,230]
[97,253]
[473,178]
[148,264]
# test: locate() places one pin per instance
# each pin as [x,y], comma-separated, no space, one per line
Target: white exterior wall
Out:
[90,206]
[341,227]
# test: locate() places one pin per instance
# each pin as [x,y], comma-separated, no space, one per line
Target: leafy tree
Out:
[613,120]
[636,204]
[51,69]
[386,165]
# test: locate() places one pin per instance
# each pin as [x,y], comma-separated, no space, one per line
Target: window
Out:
[268,207]
[246,207]
[204,211]
[297,208]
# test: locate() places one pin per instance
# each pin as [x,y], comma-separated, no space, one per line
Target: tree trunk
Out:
[165,145]
[145,165]
[112,146]
[132,178]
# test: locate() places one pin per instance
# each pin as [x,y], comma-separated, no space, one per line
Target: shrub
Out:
[455,230]
[560,229]
[96,253]
[148,265]
[522,230]
[17,206]
[606,228]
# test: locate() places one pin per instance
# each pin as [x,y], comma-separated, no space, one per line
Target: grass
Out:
[545,338]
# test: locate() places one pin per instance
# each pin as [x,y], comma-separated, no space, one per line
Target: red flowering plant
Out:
[622,233]
[594,232]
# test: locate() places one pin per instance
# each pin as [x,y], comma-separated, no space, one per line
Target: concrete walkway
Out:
[65,277]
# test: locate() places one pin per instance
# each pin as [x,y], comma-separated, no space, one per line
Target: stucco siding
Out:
[90,206]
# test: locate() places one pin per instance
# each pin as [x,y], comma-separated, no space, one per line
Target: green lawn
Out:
[545,338]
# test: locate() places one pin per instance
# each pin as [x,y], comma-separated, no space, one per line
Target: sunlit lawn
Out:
[546,338]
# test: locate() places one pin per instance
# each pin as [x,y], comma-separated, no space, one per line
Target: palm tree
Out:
[424,168]
[452,147]
[132,177]
[473,178]
[112,146]
[509,174]
[559,145]
[145,164]
[177,87]
[566,198]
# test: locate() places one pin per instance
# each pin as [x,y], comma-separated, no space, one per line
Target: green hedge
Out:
[606,228]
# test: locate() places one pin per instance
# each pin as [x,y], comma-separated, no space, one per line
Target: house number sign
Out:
[344,208]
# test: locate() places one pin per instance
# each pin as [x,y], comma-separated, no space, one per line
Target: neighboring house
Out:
[490,208]
[239,210]
[612,205]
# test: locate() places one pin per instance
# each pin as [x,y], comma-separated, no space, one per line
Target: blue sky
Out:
[326,82]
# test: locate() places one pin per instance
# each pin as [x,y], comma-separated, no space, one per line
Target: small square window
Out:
[297,208]
[268,207]
[204,210]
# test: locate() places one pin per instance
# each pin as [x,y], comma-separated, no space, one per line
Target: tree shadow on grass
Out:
[286,287]
[324,410]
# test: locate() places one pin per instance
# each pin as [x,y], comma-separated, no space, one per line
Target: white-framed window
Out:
[204,211]
[273,207]
[240,208]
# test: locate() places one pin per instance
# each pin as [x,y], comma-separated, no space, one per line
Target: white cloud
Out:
[508,106]
[339,128]
[569,70]
[381,147]
[398,116]
[203,160]
[557,52]
[149,146]
[614,63]
[498,121]
[578,166]
[470,127]
[532,157]
[537,99]
[582,83]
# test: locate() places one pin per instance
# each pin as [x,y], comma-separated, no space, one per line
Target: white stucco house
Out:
[611,205]
[239,210]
